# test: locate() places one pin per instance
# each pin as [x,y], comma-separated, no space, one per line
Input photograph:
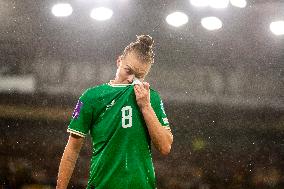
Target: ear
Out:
[118,61]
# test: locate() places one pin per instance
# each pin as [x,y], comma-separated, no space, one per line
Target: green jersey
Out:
[121,156]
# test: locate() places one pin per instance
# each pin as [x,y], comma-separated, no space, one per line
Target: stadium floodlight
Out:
[277,27]
[211,23]
[101,13]
[62,10]
[219,4]
[177,19]
[239,3]
[199,3]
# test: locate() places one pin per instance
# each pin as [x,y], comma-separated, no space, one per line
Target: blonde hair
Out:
[142,47]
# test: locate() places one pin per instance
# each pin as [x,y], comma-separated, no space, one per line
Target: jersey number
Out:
[126,116]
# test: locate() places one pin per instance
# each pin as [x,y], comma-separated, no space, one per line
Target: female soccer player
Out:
[122,117]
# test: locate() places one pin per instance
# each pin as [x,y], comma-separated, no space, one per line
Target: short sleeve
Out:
[82,116]
[159,109]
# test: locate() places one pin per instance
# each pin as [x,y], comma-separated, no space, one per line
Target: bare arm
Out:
[161,137]
[68,160]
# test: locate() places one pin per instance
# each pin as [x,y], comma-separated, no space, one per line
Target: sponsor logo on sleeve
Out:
[165,120]
[77,109]
[162,107]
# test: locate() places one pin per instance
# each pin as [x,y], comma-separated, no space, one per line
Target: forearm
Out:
[66,168]
[68,162]
[161,137]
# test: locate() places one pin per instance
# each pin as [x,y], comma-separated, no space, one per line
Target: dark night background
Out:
[222,90]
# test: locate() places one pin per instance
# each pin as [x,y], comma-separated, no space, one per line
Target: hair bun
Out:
[146,40]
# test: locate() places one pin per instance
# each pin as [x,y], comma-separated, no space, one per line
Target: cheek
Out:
[121,73]
[117,72]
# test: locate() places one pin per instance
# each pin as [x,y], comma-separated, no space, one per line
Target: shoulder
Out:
[155,95]
[93,92]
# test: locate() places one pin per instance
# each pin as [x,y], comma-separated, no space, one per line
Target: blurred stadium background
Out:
[222,89]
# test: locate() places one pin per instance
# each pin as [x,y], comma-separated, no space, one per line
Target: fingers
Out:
[137,89]
[142,94]
[141,88]
[146,85]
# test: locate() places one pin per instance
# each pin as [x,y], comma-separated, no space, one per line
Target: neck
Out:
[114,82]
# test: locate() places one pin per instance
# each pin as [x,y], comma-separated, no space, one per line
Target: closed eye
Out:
[128,71]
[139,76]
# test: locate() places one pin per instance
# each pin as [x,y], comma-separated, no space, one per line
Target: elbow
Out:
[165,150]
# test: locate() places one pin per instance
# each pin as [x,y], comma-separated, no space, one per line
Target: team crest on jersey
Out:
[77,109]
[111,104]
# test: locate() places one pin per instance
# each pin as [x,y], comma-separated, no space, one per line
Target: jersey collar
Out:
[118,85]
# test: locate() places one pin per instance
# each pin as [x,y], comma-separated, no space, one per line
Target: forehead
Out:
[132,61]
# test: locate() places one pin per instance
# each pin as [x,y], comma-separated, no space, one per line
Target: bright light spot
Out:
[277,27]
[239,3]
[62,10]
[219,4]
[211,23]
[177,19]
[199,3]
[101,13]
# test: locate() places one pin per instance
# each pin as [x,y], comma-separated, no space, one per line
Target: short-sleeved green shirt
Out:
[121,156]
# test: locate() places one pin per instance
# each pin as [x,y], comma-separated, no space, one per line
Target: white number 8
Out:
[126,115]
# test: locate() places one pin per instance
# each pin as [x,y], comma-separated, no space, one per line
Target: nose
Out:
[130,78]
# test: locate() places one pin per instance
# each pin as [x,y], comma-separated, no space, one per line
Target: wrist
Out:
[146,107]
